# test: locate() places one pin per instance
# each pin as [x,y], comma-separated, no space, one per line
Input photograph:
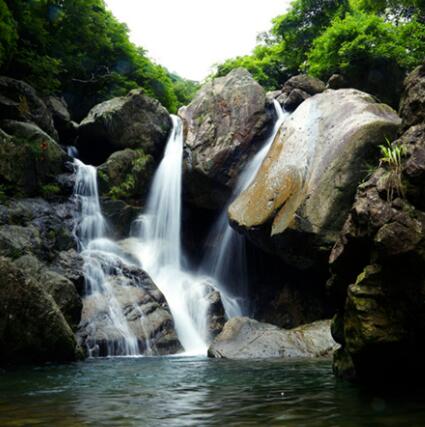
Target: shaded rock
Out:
[297,89]
[57,286]
[378,279]
[144,307]
[66,128]
[70,264]
[32,328]
[337,81]
[215,316]
[120,215]
[299,200]
[244,338]
[126,176]
[36,226]
[19,101]
[224,124]
[412,105]
[134,121]
[29,160]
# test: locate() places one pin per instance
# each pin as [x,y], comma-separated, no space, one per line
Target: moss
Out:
[50,190]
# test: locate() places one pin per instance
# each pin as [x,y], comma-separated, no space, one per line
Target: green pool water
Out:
[179,391]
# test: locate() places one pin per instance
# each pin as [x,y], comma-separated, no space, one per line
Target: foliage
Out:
[8,34]
[185,90]
[392,157]
[369,42]
[77,48]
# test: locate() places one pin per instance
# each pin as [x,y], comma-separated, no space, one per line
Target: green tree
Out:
[8,33]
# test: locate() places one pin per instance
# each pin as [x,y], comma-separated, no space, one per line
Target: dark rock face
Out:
[30,160]
[378,265]
[134,121]
[412,106]
[298,202]
[20,102]
[66,128]
[32,327]
[224,124]
[244,338]
[143,305]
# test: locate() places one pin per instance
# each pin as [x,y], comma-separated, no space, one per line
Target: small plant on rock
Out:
[392,157]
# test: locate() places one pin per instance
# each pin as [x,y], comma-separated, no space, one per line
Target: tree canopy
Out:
[370,42]
[77,48]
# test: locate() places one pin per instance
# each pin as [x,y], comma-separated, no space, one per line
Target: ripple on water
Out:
[175,391]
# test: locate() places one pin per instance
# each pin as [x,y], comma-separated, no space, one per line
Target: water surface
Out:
[179,391]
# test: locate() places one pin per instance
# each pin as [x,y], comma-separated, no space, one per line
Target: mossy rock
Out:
[32,328]
[126,175]
[29,160]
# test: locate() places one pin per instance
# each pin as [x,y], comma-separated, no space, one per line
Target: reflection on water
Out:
[198,392]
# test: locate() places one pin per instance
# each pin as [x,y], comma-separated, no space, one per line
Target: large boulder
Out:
[224,124]
[32,328]
[30,160]
[244,338]
[19,101]
[297,204]
[130,291]
[134,121]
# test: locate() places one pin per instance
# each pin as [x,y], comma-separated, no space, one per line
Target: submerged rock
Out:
[32,327]
[19,101]
[224,124]
[244,338]
[134,121]
[297,204]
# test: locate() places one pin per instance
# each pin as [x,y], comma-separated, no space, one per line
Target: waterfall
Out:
[100,256]
[226,262]
[159,248]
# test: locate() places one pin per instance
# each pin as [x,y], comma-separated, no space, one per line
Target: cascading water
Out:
[226,262]
[101,256]
[160,253]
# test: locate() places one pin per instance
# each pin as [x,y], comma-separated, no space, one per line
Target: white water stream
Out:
[157,245]
[226,261]
[101,255]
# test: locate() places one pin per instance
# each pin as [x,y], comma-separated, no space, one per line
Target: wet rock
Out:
[134,121]
[70,264]
[19,101]
[29,160]
[300,198]
[244,338]
[32,328]
[224,124]
[144,307]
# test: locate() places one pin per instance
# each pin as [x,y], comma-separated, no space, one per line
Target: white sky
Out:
[190,36]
